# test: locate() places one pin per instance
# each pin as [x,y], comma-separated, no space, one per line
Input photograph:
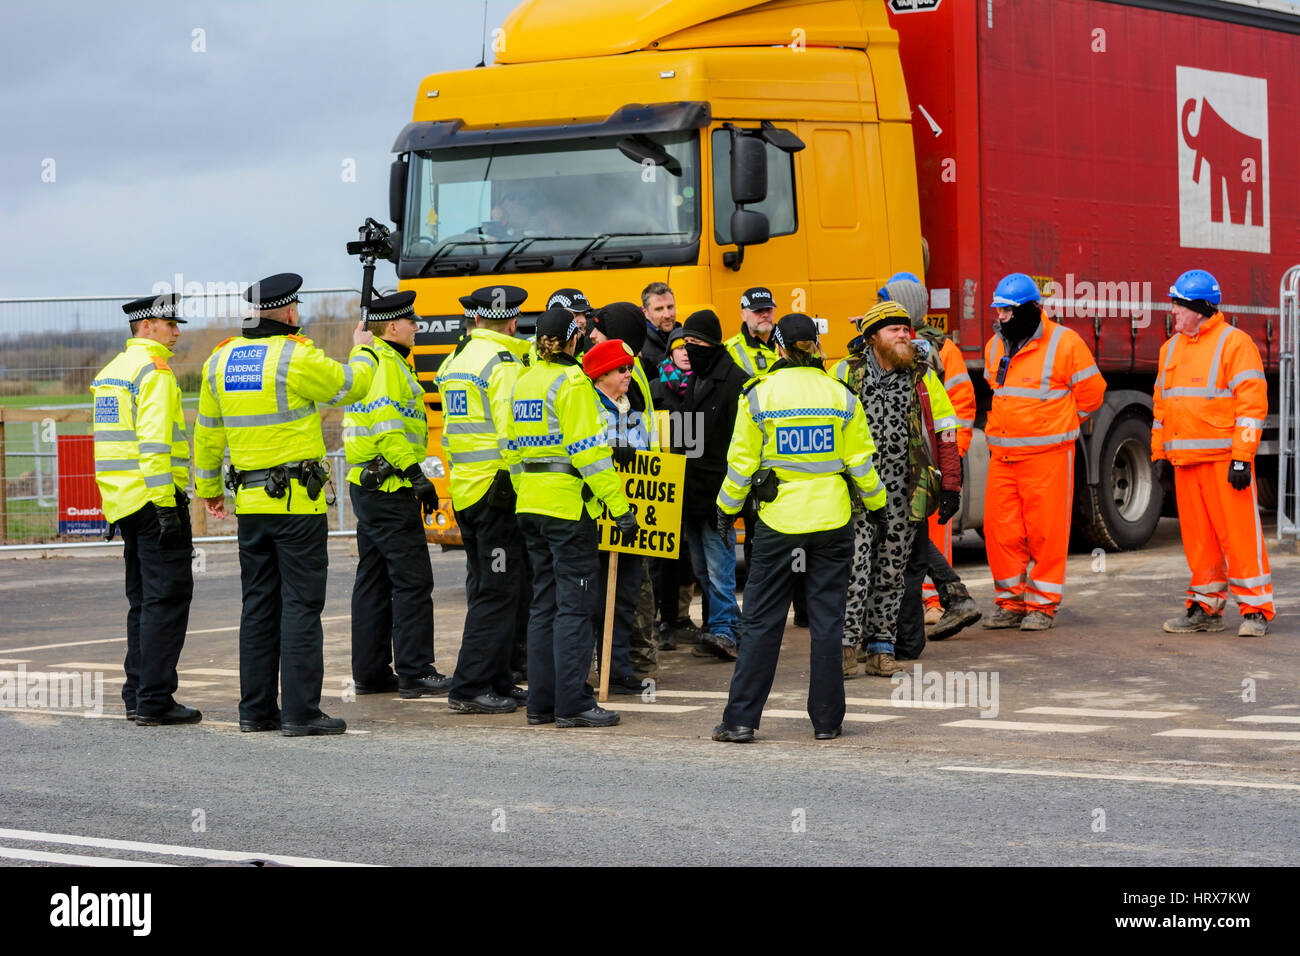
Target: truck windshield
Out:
[555,205]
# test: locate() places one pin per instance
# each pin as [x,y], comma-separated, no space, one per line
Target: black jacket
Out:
[710,403]
[655,348]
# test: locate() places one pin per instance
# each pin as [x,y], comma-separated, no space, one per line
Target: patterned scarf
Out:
[670,374]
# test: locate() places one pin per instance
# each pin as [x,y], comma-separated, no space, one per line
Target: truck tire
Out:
[1122,510]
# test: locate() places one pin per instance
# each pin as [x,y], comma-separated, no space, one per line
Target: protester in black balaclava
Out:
[1024,322]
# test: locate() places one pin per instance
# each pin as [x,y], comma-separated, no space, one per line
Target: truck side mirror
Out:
[397,175]
[748,170]
[749,228]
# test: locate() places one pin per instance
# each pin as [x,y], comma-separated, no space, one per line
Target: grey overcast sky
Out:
[224,165]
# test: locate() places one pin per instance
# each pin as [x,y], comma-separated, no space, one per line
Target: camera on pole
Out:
[375,242]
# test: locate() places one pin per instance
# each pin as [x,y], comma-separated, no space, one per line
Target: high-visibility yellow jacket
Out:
[389,420]
[1045,390]
[556,428]
[259,397]
[141,451]
[961,392]
[808,428]
[753,355]
[476,383]
[1211,397]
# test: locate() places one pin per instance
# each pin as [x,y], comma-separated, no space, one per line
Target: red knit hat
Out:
[608,355]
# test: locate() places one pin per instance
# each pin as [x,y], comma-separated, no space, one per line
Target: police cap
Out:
[757,298]
[388,308]
[275,291]
[795,327]
[167,306]
[571,299]
[467,303]
[557,322]
[498,301]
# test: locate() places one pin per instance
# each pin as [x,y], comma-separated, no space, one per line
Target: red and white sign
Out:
[81,510]
[1223,182]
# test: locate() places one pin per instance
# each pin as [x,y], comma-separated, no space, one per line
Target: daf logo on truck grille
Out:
[1222,161]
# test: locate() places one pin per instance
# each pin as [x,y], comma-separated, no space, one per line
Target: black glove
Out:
[171,524]
[949,503]
[1239,475]
[1163,471]
[878,522]
[627,526]
[622,454]
[422,488]
[723,523]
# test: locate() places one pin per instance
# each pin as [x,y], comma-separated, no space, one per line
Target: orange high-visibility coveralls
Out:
[1039,398]
[961,392]
[1210,402]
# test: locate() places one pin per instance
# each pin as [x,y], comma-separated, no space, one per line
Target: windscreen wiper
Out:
[447,247]
[605,237]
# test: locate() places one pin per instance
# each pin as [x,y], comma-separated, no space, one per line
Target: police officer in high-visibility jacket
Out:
[1045,382]
[751,347]
[142,467]
[385,433]
[799,435]
[565,473]
[1211,400]
[258,396]
[476,382]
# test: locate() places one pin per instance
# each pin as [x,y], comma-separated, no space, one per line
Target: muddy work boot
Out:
[960,613]
[933,614]
[1253,624]
[1037,621]
[850,661]
[1196,619]
[882,665]
[1004,619]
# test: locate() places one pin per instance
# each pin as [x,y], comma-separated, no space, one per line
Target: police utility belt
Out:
[313,475]
[559,467]
[766,485]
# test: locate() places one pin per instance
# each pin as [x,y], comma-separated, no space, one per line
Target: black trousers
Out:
[627,589]
[909,635]
[829,560]
[564,560]
[392,597]
[669,574]
[495,573]
[283,564]
[159,587]
[800,594]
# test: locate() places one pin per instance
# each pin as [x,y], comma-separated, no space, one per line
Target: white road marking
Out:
[1134,778]
[707,694]
[1279,735]
[983,724]
[167,849]
[1267,719]
[1099,712]
[615,704]
[50,647]
[69,859]
[912,704]
[15,660]
[222,630]
[56,675]
[849,718]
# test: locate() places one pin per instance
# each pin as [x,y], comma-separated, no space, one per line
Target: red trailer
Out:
[1104,148]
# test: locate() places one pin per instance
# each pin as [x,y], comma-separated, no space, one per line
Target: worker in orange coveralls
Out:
[1045,382]
[1210,402]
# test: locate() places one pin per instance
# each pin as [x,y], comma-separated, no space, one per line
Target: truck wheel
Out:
[1125,505]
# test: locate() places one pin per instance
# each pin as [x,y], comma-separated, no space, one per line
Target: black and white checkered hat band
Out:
[573,330]
[497,313]
[777,337]
[563,300]
[402,313]
[276,303]
[159,310]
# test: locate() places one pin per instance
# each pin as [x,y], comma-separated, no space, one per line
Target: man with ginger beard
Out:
[908,411]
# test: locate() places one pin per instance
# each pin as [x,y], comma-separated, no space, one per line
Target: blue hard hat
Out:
[1016,289]
[1196,284]
[883,296]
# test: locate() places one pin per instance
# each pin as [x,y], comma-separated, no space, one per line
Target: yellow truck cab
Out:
[707,144]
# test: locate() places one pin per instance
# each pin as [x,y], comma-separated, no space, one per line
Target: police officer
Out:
[800,444]
[574,302]
[259,397]
[563,451]
[142,467]
[384,435]
[476,383]
[751,347]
